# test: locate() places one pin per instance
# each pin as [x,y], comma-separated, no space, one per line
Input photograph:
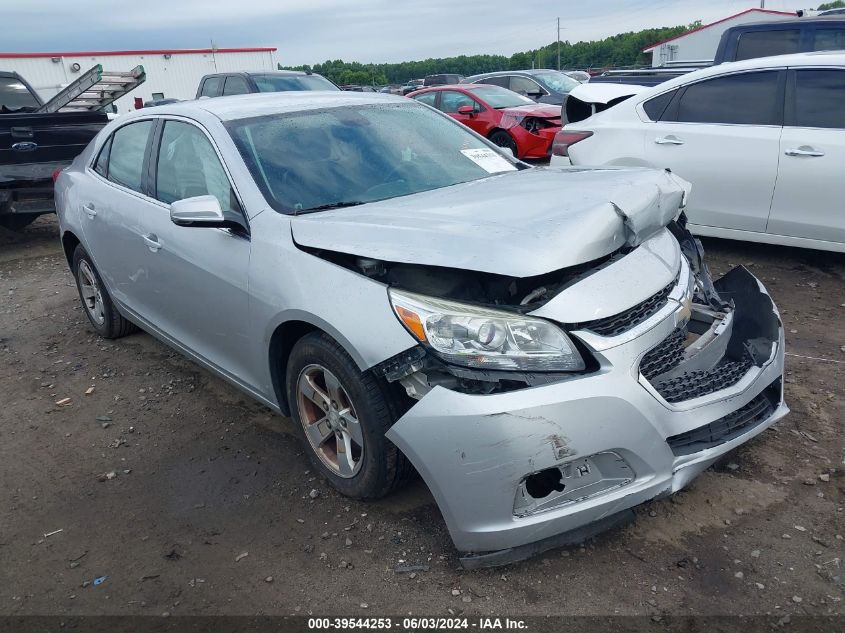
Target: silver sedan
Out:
[544,346]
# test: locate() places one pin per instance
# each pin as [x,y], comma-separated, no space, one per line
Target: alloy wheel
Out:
[92,296]
[328,417]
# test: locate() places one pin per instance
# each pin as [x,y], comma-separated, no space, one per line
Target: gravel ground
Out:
[158,488]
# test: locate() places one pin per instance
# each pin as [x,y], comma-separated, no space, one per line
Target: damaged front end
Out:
[588,365]
[522,461]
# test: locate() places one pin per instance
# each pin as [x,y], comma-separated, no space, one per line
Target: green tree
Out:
[839,4]
[624,49]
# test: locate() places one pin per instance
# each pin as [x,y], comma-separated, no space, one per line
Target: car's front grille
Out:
[624,321]
[695,384]
[669,353]
[665,356]
[728,427]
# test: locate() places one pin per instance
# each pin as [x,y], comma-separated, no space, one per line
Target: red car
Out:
[503,116]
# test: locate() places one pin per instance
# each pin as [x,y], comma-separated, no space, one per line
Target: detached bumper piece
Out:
[715,349]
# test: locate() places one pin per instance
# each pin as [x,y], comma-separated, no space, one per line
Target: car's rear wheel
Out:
[96,302]
[341,415]
[503,139]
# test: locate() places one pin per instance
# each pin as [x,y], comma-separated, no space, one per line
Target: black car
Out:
[442,80]
[541,85]
[225,84]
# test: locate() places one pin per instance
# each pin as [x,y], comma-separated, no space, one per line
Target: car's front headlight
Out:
[483,338]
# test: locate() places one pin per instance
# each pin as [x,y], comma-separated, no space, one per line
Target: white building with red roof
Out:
[700,44]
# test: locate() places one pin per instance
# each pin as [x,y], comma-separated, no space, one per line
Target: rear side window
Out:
[819,99]
[14,95]
[654,108]
[764,43]
[829,40]
[235,86]
[211,87]
[427,98]
[102,164]
[496,81]
[746,99]
[126,156]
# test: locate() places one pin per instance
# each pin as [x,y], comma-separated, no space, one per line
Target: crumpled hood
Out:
[519,224]
[540,110]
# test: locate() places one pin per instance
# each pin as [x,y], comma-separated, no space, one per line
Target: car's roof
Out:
[816,58]
[279,73]
[499,73]
[265,103]
[791,22]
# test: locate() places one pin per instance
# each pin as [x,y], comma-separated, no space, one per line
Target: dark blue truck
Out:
[748,41]
[32,146]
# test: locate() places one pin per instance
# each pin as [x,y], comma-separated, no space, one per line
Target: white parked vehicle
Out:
[762,141]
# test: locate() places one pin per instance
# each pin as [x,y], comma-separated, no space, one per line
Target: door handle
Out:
[89,210]
[668,140]
[804,150]
[151,240]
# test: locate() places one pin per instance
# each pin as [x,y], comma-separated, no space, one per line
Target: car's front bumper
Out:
[534,146]
[606,432]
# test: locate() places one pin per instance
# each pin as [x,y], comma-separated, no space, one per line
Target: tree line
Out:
[624,49]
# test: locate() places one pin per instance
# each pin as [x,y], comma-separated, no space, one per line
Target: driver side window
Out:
[525,86]
[188,166]
[451,100]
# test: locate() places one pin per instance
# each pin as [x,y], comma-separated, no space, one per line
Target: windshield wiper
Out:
[331,205]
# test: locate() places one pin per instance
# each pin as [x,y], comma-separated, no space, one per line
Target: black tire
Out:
[113,325]
[503,139]
[383,468]
[16,222]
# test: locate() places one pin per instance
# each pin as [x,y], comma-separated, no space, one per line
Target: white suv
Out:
[762,141]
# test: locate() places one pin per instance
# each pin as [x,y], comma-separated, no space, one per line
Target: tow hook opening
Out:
[544,483]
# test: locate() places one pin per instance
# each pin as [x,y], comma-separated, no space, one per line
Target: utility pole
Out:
[558,41]
[762,4]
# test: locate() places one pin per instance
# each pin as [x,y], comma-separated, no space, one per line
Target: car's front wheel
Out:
[97,303]
[341,415]
[503,139]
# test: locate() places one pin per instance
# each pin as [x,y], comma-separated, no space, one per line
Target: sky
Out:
[369,31]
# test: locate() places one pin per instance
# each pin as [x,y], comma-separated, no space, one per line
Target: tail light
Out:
[565,139]
[56,173]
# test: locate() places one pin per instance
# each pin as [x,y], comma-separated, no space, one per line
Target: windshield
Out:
[498,98]
[15,95]
[329,158]
[557,81]
[285,83]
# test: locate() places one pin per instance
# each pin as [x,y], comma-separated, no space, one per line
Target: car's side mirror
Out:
[198,211]
[466,110]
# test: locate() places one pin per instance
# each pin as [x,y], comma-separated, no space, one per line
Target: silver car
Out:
[545,347]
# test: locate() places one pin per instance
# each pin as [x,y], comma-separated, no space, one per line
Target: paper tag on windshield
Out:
[489,160]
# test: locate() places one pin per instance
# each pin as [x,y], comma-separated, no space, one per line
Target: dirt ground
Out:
[165,490]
